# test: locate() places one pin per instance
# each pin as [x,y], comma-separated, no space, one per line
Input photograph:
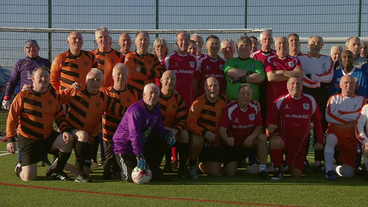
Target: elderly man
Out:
[73,65]
[266,40]
[279,68]
[318,73]
[174,117]
[184,65]
[240,129]
[243,70]
[126,95]
[143,67]
[212,65]
[364,50]
[342,111]
[227,48]
[22,72]
[199,40]
[353,44]
[347,61]
[141,135]
[125,43]
[87,105]
[203,122]
[34,112]
[335,53]
[106,57]
[294,44]
[289,126]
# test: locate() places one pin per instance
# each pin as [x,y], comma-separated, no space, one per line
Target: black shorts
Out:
[231,154]
[32,151]
[126,162]
[210,154]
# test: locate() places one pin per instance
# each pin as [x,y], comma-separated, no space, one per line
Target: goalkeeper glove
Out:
[141,162]
[170,139]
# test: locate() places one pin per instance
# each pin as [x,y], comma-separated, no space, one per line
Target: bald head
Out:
[125,43]
[347,85]
[168,82]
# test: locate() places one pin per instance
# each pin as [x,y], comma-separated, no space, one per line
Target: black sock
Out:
[83,151]
[168,156]
[192,162]
[63,158]
[183,155]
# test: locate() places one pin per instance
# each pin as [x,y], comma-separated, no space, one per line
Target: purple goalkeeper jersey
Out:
[136,127]
[22,71]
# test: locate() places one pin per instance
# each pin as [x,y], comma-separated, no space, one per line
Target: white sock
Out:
[331,142]
[262,167]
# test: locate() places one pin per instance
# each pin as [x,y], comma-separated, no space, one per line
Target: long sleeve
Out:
[361,128]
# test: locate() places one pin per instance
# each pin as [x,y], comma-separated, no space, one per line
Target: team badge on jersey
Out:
[252,117]
[305,106]
[191,63]
[155,119]
[221,67]
[137,114]
[291,64]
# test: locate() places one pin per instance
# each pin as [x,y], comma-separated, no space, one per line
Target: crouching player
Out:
[141,135]
[289,123]
[341,114]
[241,129]
[34,111]
[361,131]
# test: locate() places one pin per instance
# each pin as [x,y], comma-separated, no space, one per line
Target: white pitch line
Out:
[3,153]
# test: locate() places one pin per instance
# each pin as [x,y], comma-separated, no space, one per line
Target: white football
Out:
[141,176]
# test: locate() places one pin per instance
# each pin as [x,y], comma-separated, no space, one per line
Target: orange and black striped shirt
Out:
[111,121]
[106,62]
[173,110]
[34,113]
[86,110]
[150,69]
[67,69]
[205,116]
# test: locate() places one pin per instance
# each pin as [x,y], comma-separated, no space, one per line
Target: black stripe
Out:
[107,137]
[78,110]
[81,101]
[101,62]
[31,122]
[33,112]
[72,65]
[140,63]
[208,112]
[181,109]
[109,128]
[76,120]
[182,118]
[33,102]
[70,82]
[70,73]
[111,119]
[162,107]
[209,122]
[31,132]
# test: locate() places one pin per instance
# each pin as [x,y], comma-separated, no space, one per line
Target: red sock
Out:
[174,152]
[276,156]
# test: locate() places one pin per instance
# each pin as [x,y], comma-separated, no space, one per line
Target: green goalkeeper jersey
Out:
[232,87]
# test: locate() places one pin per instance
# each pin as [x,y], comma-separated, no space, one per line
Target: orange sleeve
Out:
[181,115]
[15,110]
[55,72]
[193,117]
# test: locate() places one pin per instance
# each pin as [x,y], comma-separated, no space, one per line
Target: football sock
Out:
[262,167]
[331,142]
[192,162]
[168,156]
[174,153]
[63,158]
[83,152]
[276,156]
[183,155]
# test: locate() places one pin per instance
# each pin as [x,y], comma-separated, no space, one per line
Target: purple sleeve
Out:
[159,129]
[14,79]
[135,118]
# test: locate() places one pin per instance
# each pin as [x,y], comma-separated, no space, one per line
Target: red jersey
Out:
[184,67]
[240,123]
[259,55]
[106,62]
[293,117]
[273,63]
[211,68]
